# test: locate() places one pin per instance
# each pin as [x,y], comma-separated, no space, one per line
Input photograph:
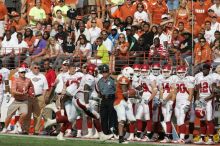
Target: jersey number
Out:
[204,87]
[181,88]
[166,87]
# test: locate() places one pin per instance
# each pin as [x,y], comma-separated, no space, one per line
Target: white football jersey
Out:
[135,81]
[182,86]
[146,83]
[94,92]
[61,78]
[75,77]
[89,80]
[205,84]
[165,84]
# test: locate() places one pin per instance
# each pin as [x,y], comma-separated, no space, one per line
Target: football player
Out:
[144,111]
[166,99]
[205,85]
[122,105]
[183,93]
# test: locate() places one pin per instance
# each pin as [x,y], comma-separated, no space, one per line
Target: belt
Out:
[20,100]
[37,95]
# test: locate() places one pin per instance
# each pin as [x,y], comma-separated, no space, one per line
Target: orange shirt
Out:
[67,2]
[202,54]
[30,42]
[46,4]
[20,24]
[200,12]
[3,11]
[181,17]
[98,23]
[124,11]
[157,11]
[119,93]
[196,29]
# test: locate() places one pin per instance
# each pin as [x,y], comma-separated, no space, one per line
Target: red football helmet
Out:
[200,112]
[24,65]
[145,70]
[181,71]
[137,69]
[91,68]
[155,68]
[166,70]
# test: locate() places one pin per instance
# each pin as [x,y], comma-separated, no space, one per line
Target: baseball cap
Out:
[105,68]
[21,69]
[114,27]
[128,28]
[66,62]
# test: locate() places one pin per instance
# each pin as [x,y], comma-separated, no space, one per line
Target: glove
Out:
[156,104]
[186,108]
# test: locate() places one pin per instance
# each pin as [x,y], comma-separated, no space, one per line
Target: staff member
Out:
[22,90]
[106,88]
[36,104]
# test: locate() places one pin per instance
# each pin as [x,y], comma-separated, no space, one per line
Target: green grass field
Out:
[17,140]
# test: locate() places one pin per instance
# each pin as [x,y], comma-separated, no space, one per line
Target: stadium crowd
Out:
[57,57]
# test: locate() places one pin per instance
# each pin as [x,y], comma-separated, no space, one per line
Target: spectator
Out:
[148,35]
[102,55]
[13,5]
[114,35]
[36,104]
[215,25]
[61,6]
[9,49]
[59,17]
[61,35]
[200,11]
[209,33]
[216,53]
[129,21]
[3,17]
[202,52]
[141,15]
[97,19]
[186,48]
[29,38]
[17,21]
[83,48]
[22,50]
[107,25]
[37,14]
[130,38]
[39,46]
[94,31]
[101,8]
[183,13]
[157,52]
[106,41]
[216,7]
[52,50]
[193,27]
[127,9]
[181,27]
[82,30]
[157,11]
[162,36]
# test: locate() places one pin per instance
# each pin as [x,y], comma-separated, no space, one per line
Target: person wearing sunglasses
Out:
[22,91]
[37,103]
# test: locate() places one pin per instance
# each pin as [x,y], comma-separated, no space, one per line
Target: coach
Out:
[36,104]
[106,88]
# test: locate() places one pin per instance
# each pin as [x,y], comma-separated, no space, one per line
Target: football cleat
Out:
[209,142]
[166,140]
[60,136]
[104,137]
[131,137]
[52,106]
[200,141]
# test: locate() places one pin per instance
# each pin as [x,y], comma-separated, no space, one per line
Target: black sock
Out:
[169,136]
[121,137]
[203,137]
[139,134]
[211,137]
[149,135]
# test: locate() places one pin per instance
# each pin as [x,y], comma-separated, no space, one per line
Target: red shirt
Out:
[51,77]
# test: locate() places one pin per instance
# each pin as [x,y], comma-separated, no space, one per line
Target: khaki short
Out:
[21,106]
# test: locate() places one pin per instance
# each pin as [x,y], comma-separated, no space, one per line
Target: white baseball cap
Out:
[21,69]
[66,62]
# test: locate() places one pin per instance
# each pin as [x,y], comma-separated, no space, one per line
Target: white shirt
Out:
[88,47]
[163,38]
[215,9]
[5,74]
[61,78]
[215,26]
[8,46]
[86,33]
[141,16]
[209,35]
[39,81]
[108,44]
[21,45]
[94,34]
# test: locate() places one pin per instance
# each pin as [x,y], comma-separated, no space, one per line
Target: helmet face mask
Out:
[181,74]
[166,73]
[156,72]
[181,71]
[145,73]
[137,73]
[128,72]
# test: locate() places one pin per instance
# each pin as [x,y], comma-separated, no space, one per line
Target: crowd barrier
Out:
[13,57]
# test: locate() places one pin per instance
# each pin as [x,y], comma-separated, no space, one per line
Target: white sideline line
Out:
[108,141]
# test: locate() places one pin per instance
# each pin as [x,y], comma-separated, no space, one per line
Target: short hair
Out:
[35,64]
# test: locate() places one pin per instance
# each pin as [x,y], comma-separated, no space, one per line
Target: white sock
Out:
[182,136]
